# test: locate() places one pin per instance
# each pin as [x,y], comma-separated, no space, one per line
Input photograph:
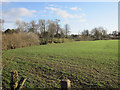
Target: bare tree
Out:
[99,33]
[96,33]
[52,29]
[114,33]
[33,26]
[1,24]
[57,25]
[62,34]
[21,26]
[42,27]
[67,28]
[85,33]
[104,34]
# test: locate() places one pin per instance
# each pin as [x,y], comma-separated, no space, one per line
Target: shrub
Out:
[19,40]
[0,43]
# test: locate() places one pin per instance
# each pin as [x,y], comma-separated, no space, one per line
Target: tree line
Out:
[96,34]
[34,33]
[48,31]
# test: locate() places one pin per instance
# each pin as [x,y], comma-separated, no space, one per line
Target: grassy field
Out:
[85,63]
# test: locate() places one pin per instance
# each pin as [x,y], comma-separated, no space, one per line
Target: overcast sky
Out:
[79,15]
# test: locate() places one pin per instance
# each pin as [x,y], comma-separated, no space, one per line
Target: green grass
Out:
[85,63]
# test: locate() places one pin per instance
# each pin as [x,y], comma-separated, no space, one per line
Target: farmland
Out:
[84,63]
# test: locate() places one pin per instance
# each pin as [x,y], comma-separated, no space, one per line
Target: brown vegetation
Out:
[48,31]
[19,40]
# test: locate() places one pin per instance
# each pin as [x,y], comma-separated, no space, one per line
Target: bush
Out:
[0,43]
[19,40]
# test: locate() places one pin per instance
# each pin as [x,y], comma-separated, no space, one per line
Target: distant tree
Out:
[42,27]
[96,33]
[85,33]
[118,33]
[62,34]
[10,31]
[114,33]
[57,35]
[99,33]
[52,29]
[104,34]
[33,26]
[74,36]
[21,26]
[1,24]
[57,25]
[67,30]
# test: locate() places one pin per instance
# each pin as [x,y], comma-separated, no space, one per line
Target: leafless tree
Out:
[52,29]
[21,26]
[67,30]
[42,27]
[85,33]
[57,25]
[33,26]
[99,33]
[1,24]
[62,34]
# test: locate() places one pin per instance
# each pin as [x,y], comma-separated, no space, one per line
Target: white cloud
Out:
[87,24]
[63,13]
[17,13]
[83,20]
[51,8]
[83,14]
[75,8]
[5,0]
[33,11]
[51,5]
